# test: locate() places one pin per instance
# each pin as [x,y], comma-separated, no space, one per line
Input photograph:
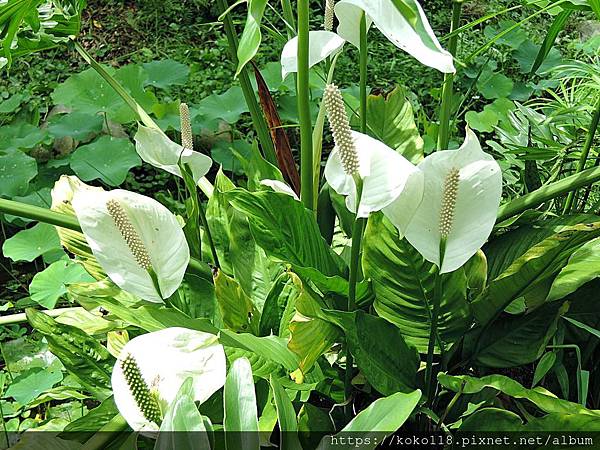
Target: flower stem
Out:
[208,234]
[357,235]
[364,53]
[437,300]
[258,120]
[447,89]
[587,145]
[303,98]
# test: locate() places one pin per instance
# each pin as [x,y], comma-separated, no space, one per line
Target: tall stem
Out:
[587,145]
[437,300]
[357,235]
[447,89]
[288,15]
[307,194]
[208,234]
[363,72]
[258,120]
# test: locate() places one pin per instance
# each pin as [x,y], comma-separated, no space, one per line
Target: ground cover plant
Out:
[318,221]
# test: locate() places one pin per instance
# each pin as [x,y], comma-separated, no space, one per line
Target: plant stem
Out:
[258,120]
[70,222]
[364,53]
[451,404]
[587,145]
[447,89]
[548,192]
[437,300]
[106,434]
[288,15]
[357,235]
[303,98]
[208,234]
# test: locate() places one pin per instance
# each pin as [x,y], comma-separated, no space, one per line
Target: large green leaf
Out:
[391,120]
[32,243]
[403,283]
[383,416]
[28,26]
[83,356]
[251,36]
[583,266]
[95,419]
[108,159]
[49,285]
[182,425]
[531,269]
[543,399]
[514,341]
[286,416]
[240,421]
[16,171]
[29,384]
[291,237]
[166,73]
[237,309]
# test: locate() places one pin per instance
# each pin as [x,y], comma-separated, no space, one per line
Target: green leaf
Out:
[391,120]
[84,357]
[483,121]
[240,421]
[29,384]
[515,341]
[12,103]
[543,367]
[526,56]
[557,26]
[32,243]
[286,416]
[226,106]
[292,237]
[543,399]
[581,268]
[494,85]
[237,309]
[21,135]
[182,425]
[251,36]
[166,73]
[583,326]
[535,266]
[108,159]
[94,420]
[16,171]
[49,285]
[403,283]
[76,125]
[385,415]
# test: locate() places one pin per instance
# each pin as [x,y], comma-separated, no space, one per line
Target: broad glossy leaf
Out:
[583,266]
[411,33]
[32,243]
[16,171]
[27,385]
[50,284]
[95,419]
[292,237]
[383,416]
[77,125]
[182,425]
[166,73]
[227,106]
[286,416]
[83,356]
[240,421]
[237,310]
[251,36]
[543,399]
[108,159]
[21,135]
[403,283]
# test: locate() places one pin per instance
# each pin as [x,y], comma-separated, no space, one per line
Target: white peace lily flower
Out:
[281,187]
[152,367]
[420,41]
[322,44]
[155,148]
[138,242]
[462,194]
[389,181]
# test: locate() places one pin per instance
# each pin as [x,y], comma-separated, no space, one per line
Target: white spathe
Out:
[155,148]
[417,40]
[280,187]
[478,198]
[155,225]
[389,180]
[322,44]
[166,358]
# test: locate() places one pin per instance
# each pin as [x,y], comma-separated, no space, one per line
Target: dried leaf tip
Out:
[449,202]
[328,23]
[129,233]
[187,137]
[145,400]
[340,128]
